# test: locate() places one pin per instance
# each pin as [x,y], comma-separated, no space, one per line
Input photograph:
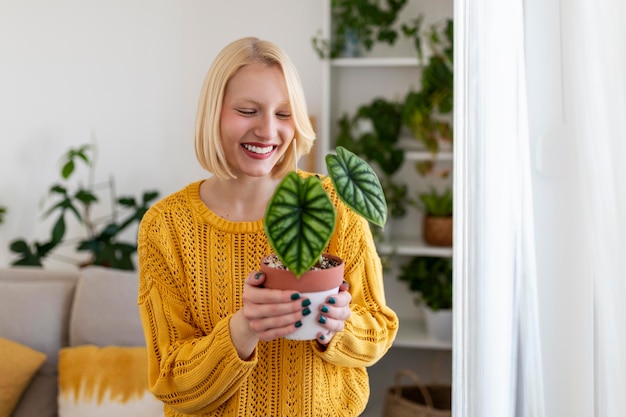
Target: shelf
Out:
[412,247]
[427,156]
[375,62]
[412,334]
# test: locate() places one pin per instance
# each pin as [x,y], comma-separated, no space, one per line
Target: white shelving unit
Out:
[390,73]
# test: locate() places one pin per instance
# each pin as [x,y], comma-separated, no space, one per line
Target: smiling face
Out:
[255,123]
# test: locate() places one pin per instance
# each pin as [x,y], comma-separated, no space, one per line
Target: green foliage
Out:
[436,203]
[423,109]
[431,277]
[300,217]
[3,211]
[76,201]
[379,145]
[367,21]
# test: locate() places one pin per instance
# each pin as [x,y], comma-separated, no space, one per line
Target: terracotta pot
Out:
[437,231]
[316,285]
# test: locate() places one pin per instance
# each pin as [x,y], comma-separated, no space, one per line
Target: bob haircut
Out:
[237,54]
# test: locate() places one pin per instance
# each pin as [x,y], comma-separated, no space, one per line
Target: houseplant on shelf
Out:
[437,221]
[431,278]
[358,25]
[102,236]
[300,220]
[427,112]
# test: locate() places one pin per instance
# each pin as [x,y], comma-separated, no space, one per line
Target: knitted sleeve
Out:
[372,326]
[189,371]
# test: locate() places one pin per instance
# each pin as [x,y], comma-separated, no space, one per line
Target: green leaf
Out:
[299,221]
[67,169]
[357,185]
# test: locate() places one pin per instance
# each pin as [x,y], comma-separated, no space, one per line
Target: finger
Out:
[255,278]
[324,338]
[334,312]
[330,323]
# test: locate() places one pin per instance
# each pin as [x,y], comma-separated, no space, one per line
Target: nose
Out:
[266,127]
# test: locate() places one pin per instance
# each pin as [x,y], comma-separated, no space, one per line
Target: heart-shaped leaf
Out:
[299,221]
[357,185]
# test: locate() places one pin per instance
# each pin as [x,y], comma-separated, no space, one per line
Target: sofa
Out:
[71,344]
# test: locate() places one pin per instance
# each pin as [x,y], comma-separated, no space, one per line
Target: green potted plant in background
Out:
[427,112]
[300,220]
[102,240]
[358,25]
[3,211]
[437,216]
[431,278]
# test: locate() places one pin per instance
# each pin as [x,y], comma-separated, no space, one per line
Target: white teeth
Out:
[257,149]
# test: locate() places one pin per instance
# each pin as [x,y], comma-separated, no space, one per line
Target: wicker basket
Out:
[419,399]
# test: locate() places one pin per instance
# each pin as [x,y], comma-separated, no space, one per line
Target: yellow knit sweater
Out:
[192,265]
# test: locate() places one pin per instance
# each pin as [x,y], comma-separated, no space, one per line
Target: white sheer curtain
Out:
[540,208]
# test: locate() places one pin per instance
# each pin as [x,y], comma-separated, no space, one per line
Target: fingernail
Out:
[306,303]
[298,324]
[306,312]
[332,300]
[347,283]
[324,309]
[258,275]
[322,319]
[295,296]
[322,337]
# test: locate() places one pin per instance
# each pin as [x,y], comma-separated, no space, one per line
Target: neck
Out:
[238,200]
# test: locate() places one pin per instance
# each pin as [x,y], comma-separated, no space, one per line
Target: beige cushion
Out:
[35,308]
[105,309]
[105,381]
[18,365]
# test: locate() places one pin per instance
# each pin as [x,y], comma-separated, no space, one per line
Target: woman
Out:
[214,334]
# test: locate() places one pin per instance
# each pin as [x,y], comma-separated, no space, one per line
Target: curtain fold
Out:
[540,208]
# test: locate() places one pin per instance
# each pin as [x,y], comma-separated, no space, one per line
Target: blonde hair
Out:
[234,56]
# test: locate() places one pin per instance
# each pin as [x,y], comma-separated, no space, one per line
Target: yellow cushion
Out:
[18,365]
[105,381]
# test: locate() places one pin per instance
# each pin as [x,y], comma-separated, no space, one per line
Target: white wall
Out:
[127,73]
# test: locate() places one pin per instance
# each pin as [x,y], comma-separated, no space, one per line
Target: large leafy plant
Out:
[300,217]
[102,236]
[431,277]
[426,111]
[364,22]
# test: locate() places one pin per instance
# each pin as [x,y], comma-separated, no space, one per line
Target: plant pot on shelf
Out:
[439,323]
[315,284]
[437,231]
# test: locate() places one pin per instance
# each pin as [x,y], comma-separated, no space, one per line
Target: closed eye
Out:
[283,116]
[246,112]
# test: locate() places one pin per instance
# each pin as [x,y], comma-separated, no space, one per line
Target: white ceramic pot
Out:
[316,285]
[439,324]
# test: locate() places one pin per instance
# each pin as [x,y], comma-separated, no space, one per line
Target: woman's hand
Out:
[333,313]
[266,314]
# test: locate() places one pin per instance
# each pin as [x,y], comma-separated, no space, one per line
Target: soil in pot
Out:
[316,284]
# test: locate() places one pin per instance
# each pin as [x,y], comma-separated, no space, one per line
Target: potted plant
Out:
[300,220]
[102,235]
[437,216]
[427,112]
[431,278]
[3,211]
[357,25]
